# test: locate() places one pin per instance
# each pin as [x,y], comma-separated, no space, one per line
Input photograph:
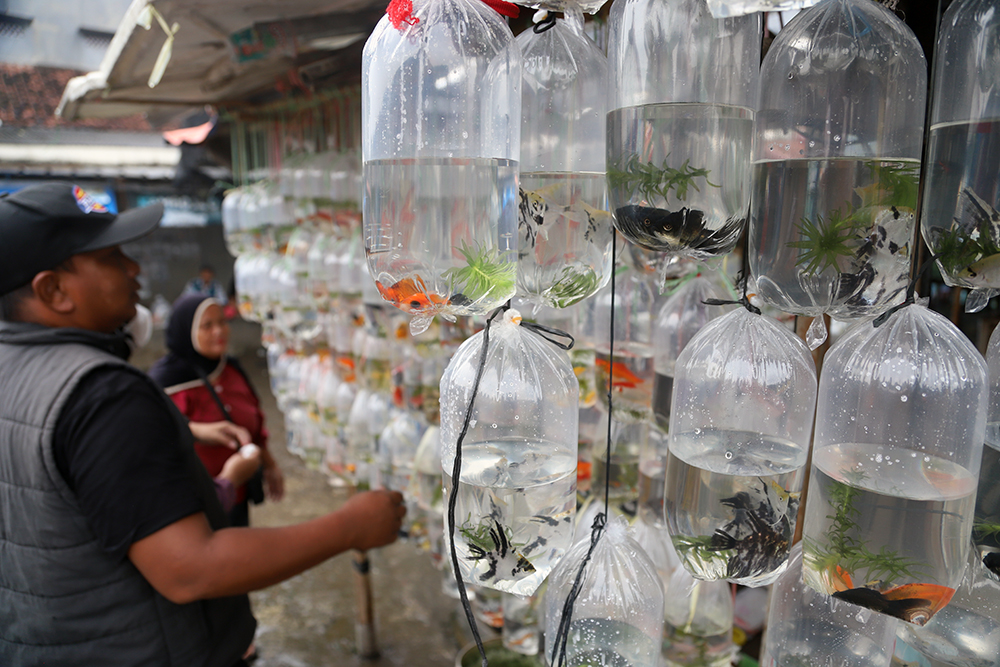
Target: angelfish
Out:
[502,558]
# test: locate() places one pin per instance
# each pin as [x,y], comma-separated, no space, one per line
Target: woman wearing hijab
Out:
[209,387]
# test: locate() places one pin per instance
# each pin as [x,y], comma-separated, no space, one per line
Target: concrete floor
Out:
[309,620]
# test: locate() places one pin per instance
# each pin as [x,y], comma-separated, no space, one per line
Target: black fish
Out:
[657,226]
[759,552]
[501,558]
[897,601]
[659,229]
[992,562]
[767,530]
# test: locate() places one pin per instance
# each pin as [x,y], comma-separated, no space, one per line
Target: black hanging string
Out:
[456,473]
[597,529]
[562,633]
[547,23]
[550,334]
[742,301]
[911,289]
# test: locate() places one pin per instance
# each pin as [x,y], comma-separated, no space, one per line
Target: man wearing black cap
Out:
[113,547]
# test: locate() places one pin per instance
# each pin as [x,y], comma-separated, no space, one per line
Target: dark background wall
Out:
[171,256]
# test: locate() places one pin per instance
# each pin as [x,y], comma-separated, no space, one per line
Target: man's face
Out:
[206,276]
[103,286]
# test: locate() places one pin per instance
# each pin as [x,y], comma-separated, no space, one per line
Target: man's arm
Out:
[187,561]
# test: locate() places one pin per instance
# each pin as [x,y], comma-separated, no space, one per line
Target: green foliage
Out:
[487,271]
[898,183]
[958,248]
[572,286]
[651,182]
[479,535]
[844,549]
[699,550]
[823,242]
[984,530]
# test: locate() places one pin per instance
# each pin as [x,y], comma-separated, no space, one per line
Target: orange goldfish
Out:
[622,378]
[410,294]
[346,365]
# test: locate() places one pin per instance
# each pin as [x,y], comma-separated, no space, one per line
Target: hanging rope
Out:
[456,474]
[562,633]
[600,521]
[550,334]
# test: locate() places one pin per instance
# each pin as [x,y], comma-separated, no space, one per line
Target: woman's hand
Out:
[239,468]
[222,434]
[274,481]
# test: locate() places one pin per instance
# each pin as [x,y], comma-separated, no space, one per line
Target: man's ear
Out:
[49,290]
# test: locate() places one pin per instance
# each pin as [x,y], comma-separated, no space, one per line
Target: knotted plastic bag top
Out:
[617,618]
[516,496]
[741,416]
[441,115]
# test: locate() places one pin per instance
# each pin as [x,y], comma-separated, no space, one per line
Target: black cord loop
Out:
[551,334]
[742,301]
[910,291]
[741,280]
[547,23]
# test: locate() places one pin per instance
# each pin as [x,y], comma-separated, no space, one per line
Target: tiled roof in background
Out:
[29,97]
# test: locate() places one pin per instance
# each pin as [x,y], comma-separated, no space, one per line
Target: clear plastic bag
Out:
[517,492]
[398,445]
[698,622]
[441,113]
[838,139]
[967,631]
[807,627]
[617,617]
[564,228]
[900,424]
[628,369]
[962,194]
[585,6]
[986,530]
[652,477]
[742,413]
[683,87]
[678,320]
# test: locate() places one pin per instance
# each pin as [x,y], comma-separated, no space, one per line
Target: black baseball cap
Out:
[43,225]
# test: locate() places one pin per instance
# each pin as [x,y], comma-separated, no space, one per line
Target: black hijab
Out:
[183,361]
